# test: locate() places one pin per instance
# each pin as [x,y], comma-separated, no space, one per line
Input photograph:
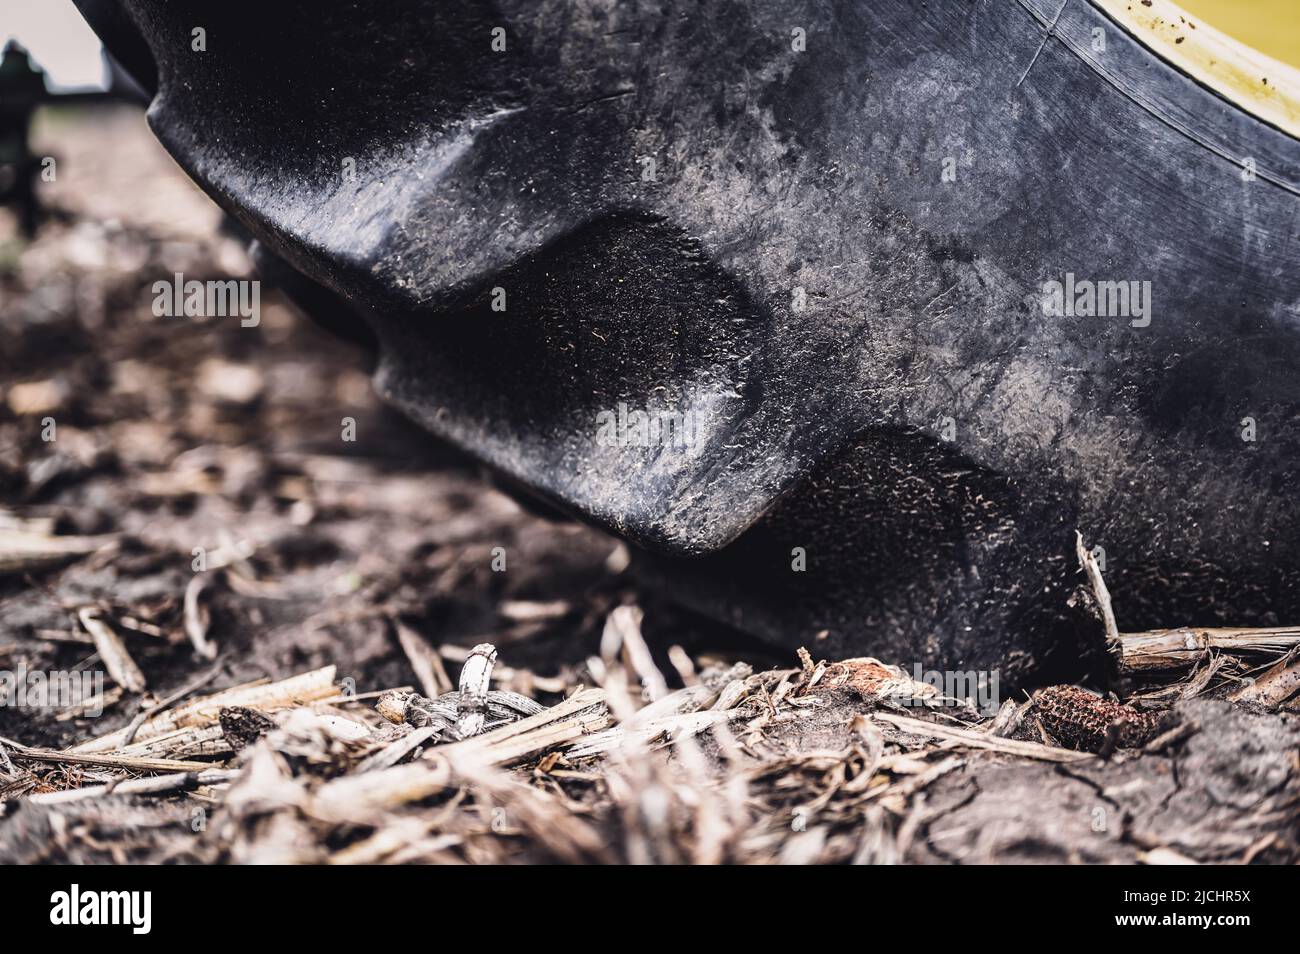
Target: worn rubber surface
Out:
[920,427]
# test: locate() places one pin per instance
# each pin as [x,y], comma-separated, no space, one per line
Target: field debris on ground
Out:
[839,761]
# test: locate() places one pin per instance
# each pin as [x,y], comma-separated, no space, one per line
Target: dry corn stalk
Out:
[121,667]
[307,687]
[475,678]
[581,714]
[1172,650]
[979,740]
[22,550]
[424,659]
[1280,682]
[1176,649]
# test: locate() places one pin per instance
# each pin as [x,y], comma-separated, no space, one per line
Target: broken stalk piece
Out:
[467,712]
[475,678]
[1171,650]
[1175,649]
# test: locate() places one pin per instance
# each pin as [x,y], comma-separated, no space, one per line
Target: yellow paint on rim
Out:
[1270,26]
[1259,84]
